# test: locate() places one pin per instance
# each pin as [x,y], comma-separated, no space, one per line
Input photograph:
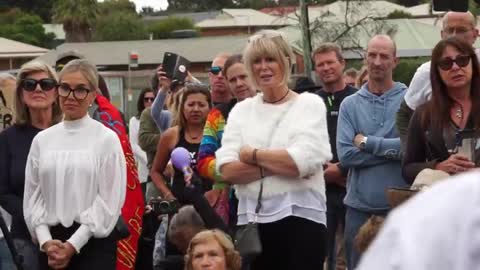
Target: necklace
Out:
[273,102]
[194,137]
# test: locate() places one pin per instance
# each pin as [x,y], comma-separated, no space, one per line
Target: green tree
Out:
[78,18]
[23,27]
[111,6]
[120,26]
[164,28]
[399,14]
[41,8]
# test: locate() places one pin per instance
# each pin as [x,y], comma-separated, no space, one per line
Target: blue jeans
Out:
[354,220]
[6,262]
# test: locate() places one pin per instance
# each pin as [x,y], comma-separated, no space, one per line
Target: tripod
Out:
[17,259]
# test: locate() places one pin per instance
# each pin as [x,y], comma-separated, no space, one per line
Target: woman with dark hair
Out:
[145,100]
[194,106]
[437,134]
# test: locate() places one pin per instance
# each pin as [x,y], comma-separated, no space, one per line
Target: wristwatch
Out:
[363,143]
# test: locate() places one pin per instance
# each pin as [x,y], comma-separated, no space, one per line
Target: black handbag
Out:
[120,231]
[247,239]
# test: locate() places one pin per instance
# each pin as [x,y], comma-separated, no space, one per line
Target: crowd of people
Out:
[306,170]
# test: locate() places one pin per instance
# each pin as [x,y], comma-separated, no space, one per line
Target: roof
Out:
[194,16]
[12,49]
[244,17]
[199,50]
[363,8]
[56,29]
[413,38]
[423,10]
[279,11]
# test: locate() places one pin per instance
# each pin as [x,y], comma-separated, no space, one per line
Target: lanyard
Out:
[330,100]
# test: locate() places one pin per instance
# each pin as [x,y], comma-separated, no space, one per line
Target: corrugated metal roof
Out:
[413,38]
[362,8]
[423,10]
[12,47]
[199,50]
[244,17]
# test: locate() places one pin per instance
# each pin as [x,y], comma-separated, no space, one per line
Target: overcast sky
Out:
[156,4]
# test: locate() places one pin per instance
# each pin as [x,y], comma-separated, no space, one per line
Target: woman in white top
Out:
[145,100]
[280,138]
[75,180]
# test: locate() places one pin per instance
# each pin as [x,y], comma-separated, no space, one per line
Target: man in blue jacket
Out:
[368,143]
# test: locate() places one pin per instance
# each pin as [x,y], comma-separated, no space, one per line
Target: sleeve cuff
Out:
[43,234]
[372,142]
[297,157]
[80,237]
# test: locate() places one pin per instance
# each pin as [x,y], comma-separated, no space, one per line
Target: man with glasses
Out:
[218,85]
[459,24]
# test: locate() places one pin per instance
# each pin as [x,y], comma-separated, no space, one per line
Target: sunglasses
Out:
[30,85]
[215,70]
[460,60]
[79,93]
[148,99]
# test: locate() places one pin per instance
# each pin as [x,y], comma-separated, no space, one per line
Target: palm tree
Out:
[78,17]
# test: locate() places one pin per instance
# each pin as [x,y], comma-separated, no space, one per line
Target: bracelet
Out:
[262,172]
[254,155]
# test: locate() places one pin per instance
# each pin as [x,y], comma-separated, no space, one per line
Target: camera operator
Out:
[197,215]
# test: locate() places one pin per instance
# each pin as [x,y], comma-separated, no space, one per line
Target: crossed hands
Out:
[59,253]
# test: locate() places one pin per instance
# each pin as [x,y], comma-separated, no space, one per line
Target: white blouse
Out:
[138,153]
[76,172]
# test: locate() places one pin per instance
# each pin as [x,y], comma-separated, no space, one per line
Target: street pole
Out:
[307,47]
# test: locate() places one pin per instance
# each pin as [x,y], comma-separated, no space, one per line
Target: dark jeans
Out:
[335,219]
[292,243]
[98,253]
[28,252]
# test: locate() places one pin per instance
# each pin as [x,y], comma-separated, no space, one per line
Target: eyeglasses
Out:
[447,62]
[457,30]
[215,70]
[30,85]
[79,93]
[148,99]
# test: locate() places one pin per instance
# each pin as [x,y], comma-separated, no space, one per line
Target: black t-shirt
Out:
[332,103]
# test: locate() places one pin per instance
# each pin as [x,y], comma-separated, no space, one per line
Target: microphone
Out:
[181,160]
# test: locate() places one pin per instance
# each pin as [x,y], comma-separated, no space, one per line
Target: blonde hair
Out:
[361,75]
[22,113]
[268,43]
[88,70]
[232,257]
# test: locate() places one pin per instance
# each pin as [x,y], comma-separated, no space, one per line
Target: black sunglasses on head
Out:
[215,70]
[447,62]
[30,85]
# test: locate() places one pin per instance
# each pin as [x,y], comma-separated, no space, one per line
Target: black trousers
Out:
[292,243]
[97,254]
